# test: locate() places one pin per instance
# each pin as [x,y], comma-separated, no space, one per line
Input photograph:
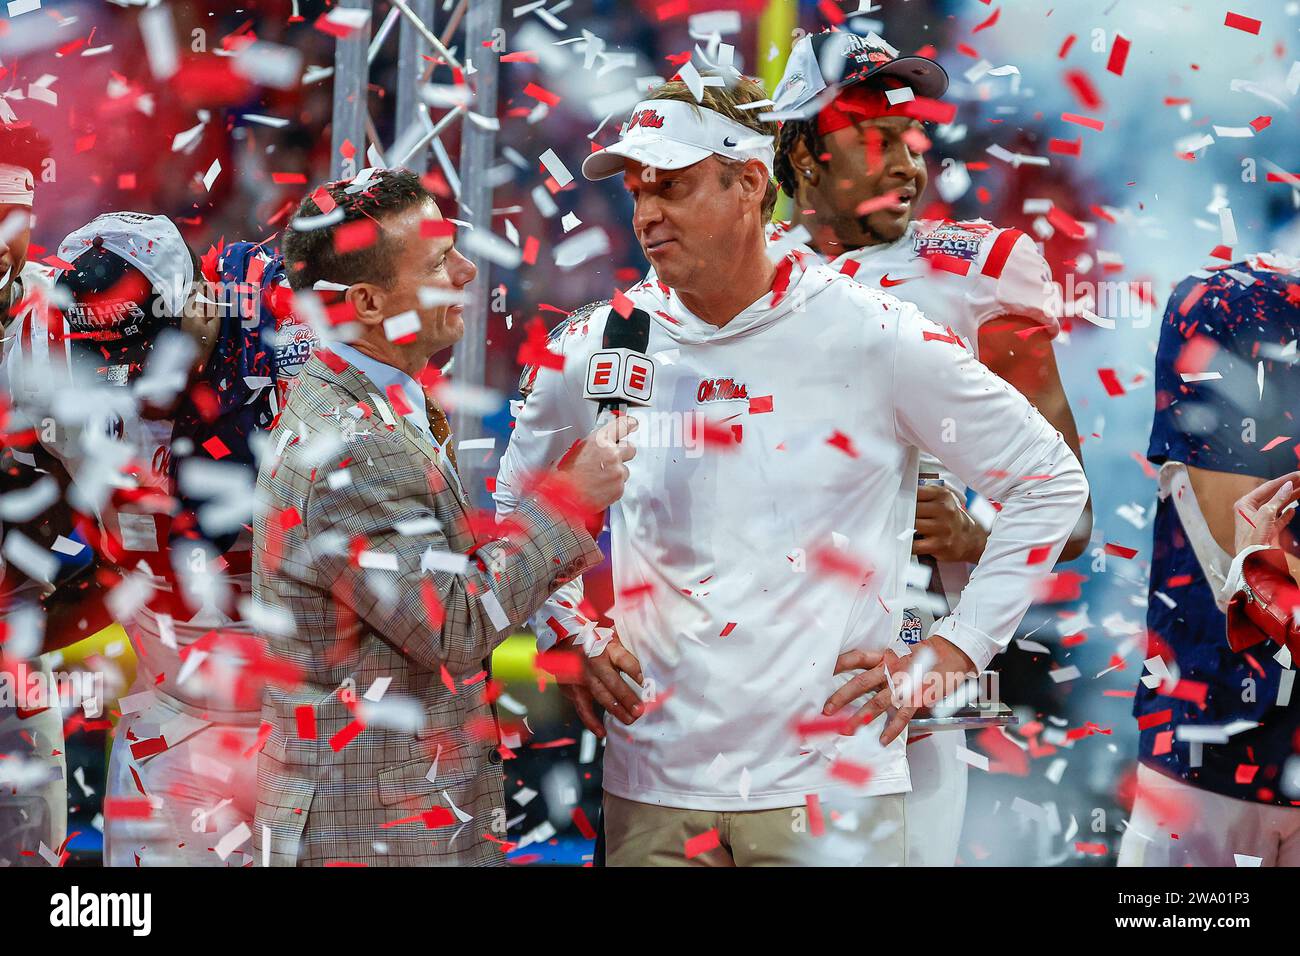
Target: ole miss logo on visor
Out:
[647,118]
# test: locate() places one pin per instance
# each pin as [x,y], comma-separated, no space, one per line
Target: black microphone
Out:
[621,373]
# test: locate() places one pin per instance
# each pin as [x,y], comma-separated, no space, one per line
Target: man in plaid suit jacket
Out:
[371,580]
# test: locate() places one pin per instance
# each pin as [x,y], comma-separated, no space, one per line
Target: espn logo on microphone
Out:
[620,375]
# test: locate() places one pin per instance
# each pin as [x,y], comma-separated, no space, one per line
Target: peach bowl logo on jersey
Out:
[948,243]
[294,345]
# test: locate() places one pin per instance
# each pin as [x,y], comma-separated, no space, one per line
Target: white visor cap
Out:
[670,134]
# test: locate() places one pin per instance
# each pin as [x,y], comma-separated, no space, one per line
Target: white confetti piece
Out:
[1063,674]
[377,560]
[211,175]
[1285,684]
[976,760]
[495,612]
[477,444]
[461,815]
[377,689]
[19,7]
[555,166]
[401,325]
[717,769]
[233,840]
[159,35]
[581,247]
[449,561]
[1243,859]
[433,770]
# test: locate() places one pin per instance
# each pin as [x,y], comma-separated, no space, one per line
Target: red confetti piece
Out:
[1261,123]
[622,304]
[1092,849]
[1275,442]
[215,447]
[830,12]
[698,845]
[1038,555]
[1246,24]
[855,774]
[1246,772]
[147,748]
[289,179]
[1119,551]
[433,608]
[844,443]
[438,817]
[929,111]
[583,824]
[816,822]
[531,248]
[565,665]
[1060,587]
[942,262]
[1118,55]
[541,94]
[1065,47]
[354,236]
[323,200]
[1164,743]
[346,735]
[1087,121]
[437,228]
[1065,223]
[333,362]
[1147,721]
[726,631]
[126,808]
[447,682]
[1081,86]
[992,19]
[760,404]
[397,398]
[1222,252]
[306,719]
[1193,691]
[1065,147]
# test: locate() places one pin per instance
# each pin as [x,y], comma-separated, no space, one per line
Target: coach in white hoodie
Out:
[753,569]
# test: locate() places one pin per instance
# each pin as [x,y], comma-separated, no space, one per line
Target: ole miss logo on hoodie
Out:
[721,390]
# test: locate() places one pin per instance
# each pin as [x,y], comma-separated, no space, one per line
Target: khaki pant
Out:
[1212,830]
[865,832]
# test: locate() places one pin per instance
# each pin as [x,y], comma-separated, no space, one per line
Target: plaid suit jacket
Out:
[358,525]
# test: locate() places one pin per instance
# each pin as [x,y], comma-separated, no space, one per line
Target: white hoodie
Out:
[724,589]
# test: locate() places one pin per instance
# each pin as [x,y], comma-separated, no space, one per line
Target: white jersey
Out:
[746,563]
[960,275]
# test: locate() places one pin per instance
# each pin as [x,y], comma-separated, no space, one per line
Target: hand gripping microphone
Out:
[621,374]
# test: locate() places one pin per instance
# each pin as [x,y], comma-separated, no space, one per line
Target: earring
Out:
[807,174]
